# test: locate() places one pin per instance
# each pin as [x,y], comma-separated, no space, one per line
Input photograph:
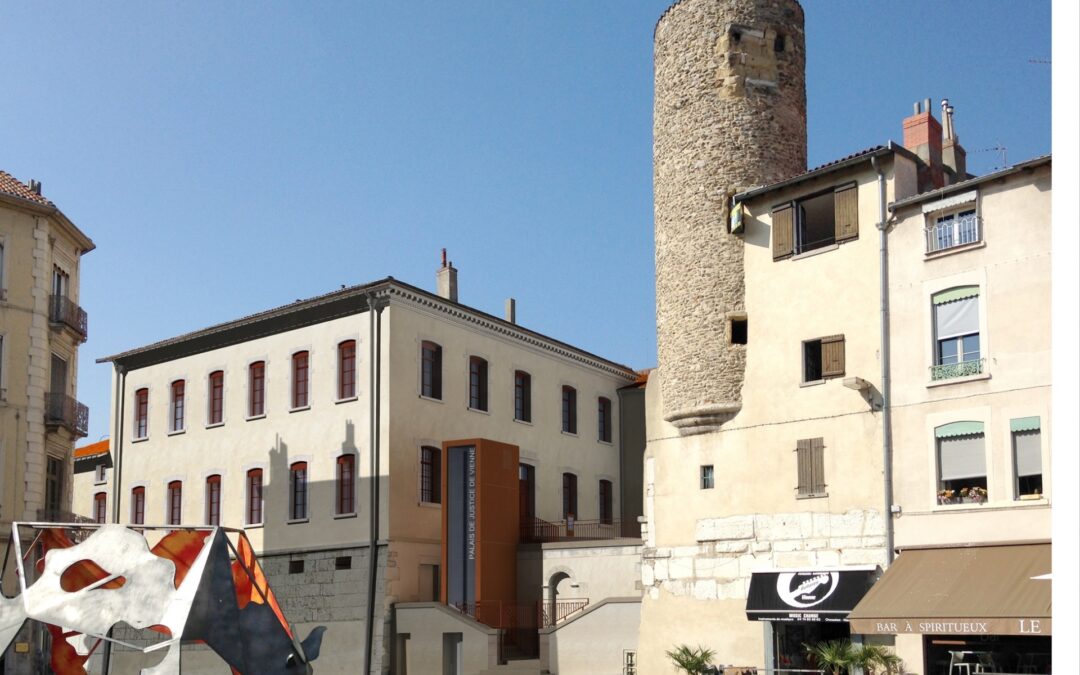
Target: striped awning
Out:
[953,294]
[1024,424]
[959,429]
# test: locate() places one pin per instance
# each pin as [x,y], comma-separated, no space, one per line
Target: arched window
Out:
[300,380]
[99,507]
[138,505]
[347,369]
[175,503]
[213,500]
[176,407]
[142,404]
[346,485]
[478,383]
[430,475]
[255,497]
[298,492]
[257,389]
[431,370]
[216,397]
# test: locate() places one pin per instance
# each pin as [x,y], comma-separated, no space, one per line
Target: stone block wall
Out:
[729,550]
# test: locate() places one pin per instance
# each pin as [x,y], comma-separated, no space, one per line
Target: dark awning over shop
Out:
[811,595]
[961,591]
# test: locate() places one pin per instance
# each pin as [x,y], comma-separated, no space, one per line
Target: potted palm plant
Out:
[876,659]
[832,655]
[692,661]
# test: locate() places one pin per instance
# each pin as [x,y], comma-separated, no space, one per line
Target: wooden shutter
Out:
[817,466]
[846,212]
[802,449]
[832,356]
[783,239]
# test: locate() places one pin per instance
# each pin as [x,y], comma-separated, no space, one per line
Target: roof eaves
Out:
[971,182]
[825,169]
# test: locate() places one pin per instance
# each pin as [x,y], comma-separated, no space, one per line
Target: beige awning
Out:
[972,590]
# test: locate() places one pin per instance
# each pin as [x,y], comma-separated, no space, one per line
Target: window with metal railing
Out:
[952,230]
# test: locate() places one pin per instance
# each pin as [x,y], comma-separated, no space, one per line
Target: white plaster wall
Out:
[426,622]
[594,642]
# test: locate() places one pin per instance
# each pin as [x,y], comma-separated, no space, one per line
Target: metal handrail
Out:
[948,371]
[537,530]
[64,311]
[953,232]
[63,410]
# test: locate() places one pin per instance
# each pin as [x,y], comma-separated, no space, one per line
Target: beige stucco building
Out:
[41,328]
[319,426]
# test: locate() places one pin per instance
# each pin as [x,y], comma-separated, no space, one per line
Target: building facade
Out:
[320,427]
[41,328]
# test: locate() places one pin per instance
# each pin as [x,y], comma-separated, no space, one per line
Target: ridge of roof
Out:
[846,160]
[92,450]
[972,182]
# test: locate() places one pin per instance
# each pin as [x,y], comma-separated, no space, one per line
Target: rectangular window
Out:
[603,419]
[707,477]
[54,486]
[815,221]
[823,358]
[811,465]
[1027,457]
[569,496]
[739,328]
[257,389]
[346,478]
[142,404]
[100,474]
[956,334]
[217,397]
[347,369]
[430,475]
[213,500]
[431,370]
[605,502]
[298,491]
[478,383]
[99,507]
[255,497]
[175,504]
[522,396]
[569,410]
[527,492]
[961,463]
[177,407]
[300,380]
[296,567]
[138,505]
[953,229]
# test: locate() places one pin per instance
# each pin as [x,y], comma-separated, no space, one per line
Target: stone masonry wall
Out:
[730,549]
[729,114]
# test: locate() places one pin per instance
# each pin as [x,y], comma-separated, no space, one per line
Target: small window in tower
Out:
[778,44]
[296,567]
[736,36]
[343,562]
[738,331]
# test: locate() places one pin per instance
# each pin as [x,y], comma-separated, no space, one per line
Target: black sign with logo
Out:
[827,595]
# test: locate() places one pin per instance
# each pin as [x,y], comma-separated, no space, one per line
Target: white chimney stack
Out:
[446,280]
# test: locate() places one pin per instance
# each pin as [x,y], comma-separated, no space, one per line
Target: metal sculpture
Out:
[196,585]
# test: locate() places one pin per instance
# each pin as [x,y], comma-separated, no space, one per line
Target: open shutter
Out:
[805,461]
[832,356]
[783,240]
[846,206]
[817,465]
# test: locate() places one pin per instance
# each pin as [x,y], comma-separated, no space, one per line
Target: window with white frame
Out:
[949,230]
[961,463]
[957,343]
[1027,457]
[99,473]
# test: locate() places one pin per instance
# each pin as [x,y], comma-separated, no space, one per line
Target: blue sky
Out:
[231,157]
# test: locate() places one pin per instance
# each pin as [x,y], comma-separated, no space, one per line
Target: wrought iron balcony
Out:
[953,232]
[62,410]
[536,530]
[948,371]
[64,312]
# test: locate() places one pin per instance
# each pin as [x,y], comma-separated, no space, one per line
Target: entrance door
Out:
[790,638]
[527,492]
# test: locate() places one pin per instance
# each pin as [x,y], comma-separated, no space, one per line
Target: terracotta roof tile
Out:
[93,449]
[16,188]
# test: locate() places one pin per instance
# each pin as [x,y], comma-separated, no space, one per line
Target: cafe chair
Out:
[957,664]
[986,663]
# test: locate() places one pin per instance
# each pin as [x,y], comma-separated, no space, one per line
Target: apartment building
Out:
[325,429]
[969,326]
[41,328]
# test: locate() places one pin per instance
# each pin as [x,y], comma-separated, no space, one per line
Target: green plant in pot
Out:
[832,655]
[692,661]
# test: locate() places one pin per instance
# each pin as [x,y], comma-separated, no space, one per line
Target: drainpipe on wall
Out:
[118,440]
[886,412]
[374,349]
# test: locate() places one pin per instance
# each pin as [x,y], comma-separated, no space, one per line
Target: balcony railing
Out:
[66,313]
[62,410]
[953,232]
[948,371]
[536,530]
[61,516]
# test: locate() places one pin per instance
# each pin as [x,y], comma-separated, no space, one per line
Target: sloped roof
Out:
[10,185]
[92,449]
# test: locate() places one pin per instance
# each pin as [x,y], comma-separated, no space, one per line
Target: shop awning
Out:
[960,591]
[807,595]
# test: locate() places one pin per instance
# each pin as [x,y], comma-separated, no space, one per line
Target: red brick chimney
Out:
[922,135]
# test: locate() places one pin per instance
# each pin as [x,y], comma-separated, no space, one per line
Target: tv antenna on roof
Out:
[1003,154]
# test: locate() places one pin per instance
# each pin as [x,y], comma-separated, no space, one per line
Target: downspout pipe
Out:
[886,411]
[375,374]
[118,444]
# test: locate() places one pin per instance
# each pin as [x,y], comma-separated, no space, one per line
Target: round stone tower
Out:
[729,114]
